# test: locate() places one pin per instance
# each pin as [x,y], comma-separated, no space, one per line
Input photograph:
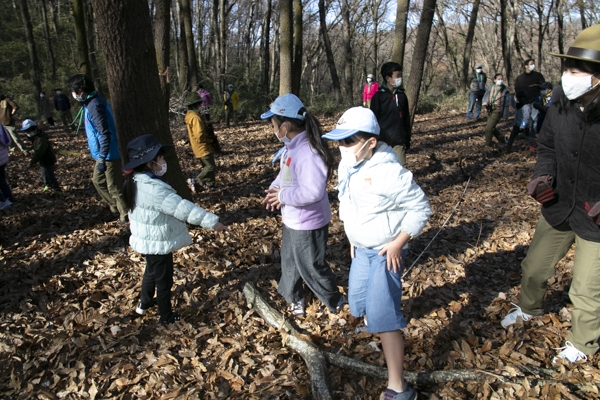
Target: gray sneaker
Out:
[408,394]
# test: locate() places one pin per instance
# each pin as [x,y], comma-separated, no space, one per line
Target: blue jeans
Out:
[375,291]
[5,194]
[474,100]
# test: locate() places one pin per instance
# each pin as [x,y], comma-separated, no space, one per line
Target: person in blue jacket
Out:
[104,147]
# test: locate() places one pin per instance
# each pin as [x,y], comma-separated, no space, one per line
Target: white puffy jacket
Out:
[381,200]
[157,222]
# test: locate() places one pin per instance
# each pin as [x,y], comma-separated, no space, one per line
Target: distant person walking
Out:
[390,106]
[496,102]
[201,143]
[42,154]
[47,110]
[371,87]
[63,106]
[102,141]
[231,100]
[8,108]
[477,81]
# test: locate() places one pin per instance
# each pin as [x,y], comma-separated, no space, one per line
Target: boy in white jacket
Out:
[382,209]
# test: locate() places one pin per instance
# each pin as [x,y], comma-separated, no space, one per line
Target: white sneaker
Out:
[297,308]
[512,316]
[5,203]
[569,353]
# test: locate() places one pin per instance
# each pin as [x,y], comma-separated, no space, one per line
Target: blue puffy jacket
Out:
[100,128]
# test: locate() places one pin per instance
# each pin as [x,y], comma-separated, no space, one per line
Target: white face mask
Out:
[576,86]
[499,82]
[42,95]
[58,92]
[349,157]
[531,67]
[369,80]
[78,98]
[283,139]
[478,70]
[397,82]
[162,170]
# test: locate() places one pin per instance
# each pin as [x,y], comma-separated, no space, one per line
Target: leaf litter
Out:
[70,284]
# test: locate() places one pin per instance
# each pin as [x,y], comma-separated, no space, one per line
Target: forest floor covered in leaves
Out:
[69,284]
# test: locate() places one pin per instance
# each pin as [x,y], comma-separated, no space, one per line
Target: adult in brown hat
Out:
[566,181]
[201,142]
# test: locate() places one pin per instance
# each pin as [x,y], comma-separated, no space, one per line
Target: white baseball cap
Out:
[286,105]
[354,120]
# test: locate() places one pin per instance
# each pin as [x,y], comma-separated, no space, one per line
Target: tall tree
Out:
[83,57]
[91,40]
[298,36]
[400,31]
[125,33]
[186,14]
[419,54]
[506,33]
[335,80]
[35,64]
[560,8]
[469,45]
[347,34]
[264,44]
[162,44]
[183,69]
[581,5]
[286,27]
[48,41]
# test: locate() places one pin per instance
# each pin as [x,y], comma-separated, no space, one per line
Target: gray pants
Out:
[14,135]
[303,259]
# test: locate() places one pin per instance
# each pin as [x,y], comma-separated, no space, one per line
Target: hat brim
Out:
[339,134]
[574,57]
[189,103]
[267,115]
[146,158]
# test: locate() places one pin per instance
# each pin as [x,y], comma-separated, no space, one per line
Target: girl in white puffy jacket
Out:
[157,216]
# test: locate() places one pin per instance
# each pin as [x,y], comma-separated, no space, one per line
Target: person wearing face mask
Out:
[63,106]
[382,209]
[390,106]
[371,87]
[158,217]
[476,81]
[202,142]
[527,88]
[47,109]
[541,104]
[300,192]
[495,100]
[566,182]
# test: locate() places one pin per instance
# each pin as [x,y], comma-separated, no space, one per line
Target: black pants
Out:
[158,275]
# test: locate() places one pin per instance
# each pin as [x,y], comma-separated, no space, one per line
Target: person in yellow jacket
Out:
[231,100]
[201,142]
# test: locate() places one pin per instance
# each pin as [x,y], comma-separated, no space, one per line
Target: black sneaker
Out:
[111,217]
[175,317]
[142,308]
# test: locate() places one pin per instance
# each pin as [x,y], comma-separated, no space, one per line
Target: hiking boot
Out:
[142,308]
[175,317]
[408,394]
[297,308]
[569,353]
[513,315]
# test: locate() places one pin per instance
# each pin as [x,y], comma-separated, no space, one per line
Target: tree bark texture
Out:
[451,51]
[335,80]
[286,28]
[298,36]
[183,67]
[265,43]
[400,31]
[83,57]
[91,40]
[162,45]
[186,13]
[560,31]
[35,64]
[125,34]
[505,36]
[347,34]
[48,41]
[469,46]
[222,55]
[418,61]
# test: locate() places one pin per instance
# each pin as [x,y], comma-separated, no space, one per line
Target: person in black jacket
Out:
[42,154]
[390,106]
[63,106]
[566,181]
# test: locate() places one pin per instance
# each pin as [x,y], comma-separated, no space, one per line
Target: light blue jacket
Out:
[157,222]
[379,200]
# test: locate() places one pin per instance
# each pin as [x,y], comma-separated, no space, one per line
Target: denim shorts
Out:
[375,292]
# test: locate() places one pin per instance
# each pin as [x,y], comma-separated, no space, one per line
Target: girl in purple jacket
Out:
[300,191]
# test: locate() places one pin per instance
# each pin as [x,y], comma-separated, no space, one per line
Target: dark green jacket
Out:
[42,150]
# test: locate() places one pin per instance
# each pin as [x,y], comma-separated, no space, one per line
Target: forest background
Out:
[330,46]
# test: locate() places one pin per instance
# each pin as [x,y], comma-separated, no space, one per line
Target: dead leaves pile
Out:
[69,284]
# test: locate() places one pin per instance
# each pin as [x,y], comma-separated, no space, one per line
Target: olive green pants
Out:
[491,130]
[206,177]
[109,185]
[548,247]
[400,151]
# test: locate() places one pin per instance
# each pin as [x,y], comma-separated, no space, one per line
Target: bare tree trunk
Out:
[184,70]
[451,52]
[298,33]
[35,64]
[186,14]
[375,5]
[348,54]
[286,43]
[581,5]
[506,43]
[91,40]
[265,62]
[275,56]
[328,53]
[125,33]
[83,58]
[48,41]
[400,31]
[222,43]
[469,46]
[418,60]
[247,38]
[162,44]
[561,31]
[54,19]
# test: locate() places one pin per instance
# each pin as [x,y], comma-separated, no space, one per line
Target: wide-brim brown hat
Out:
[192,98]
[586,46]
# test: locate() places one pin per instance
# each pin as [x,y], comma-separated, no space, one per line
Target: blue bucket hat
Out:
[354,120]
[287,105]
[142,150]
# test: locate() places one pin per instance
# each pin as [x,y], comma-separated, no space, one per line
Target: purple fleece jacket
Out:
[302,181]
